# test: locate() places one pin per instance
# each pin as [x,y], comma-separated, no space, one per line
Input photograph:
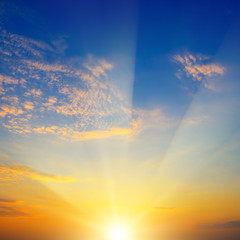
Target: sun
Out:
[118,232]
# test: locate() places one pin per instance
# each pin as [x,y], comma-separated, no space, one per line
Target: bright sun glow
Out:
[118,232]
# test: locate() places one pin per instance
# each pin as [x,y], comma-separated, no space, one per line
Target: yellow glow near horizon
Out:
[118,232]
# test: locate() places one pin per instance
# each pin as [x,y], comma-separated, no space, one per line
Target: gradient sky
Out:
[122,112]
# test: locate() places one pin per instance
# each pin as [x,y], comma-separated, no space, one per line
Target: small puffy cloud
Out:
[10,110]
[28,105]
[33,92]
[6,81]
[199,68]
[15,171]
[52,100]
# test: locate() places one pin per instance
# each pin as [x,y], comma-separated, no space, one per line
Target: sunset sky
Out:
[119,114]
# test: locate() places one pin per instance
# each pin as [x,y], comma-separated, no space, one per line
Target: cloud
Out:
[60,44]
[33,92]
[76,135]
[3,200]
[15,171]
[100,68]
[14,45]
[199,68]
[195,120]
[231,224]
[5,81]
[69,133]
[28,105]
[71,99]
[6,211]
[153,118]
[10,110]
[46,67]
[11,208]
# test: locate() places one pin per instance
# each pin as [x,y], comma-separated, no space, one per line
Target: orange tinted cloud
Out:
[11,110]
[33,92]
[13,172]
[9,211]
[46,67]
[11,208]
[28,105]
[199,68]
[68,133]
[6,81]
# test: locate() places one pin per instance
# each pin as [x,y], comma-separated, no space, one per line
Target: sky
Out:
[119,115]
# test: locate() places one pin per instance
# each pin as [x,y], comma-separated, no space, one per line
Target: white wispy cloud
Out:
[199,68]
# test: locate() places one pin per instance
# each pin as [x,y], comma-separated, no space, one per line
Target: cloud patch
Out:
[16,171]
[69,98]
[72,99]
[200,68]
[11,208]
[6,211]
[4,200]
[230,224]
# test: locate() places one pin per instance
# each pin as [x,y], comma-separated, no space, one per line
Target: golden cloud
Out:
[15,171]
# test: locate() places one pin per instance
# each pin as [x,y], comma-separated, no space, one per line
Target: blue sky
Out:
[149,33]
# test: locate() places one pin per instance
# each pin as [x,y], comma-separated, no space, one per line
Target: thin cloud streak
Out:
[16,171]
[11,208]
[230,224]
[6,211]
